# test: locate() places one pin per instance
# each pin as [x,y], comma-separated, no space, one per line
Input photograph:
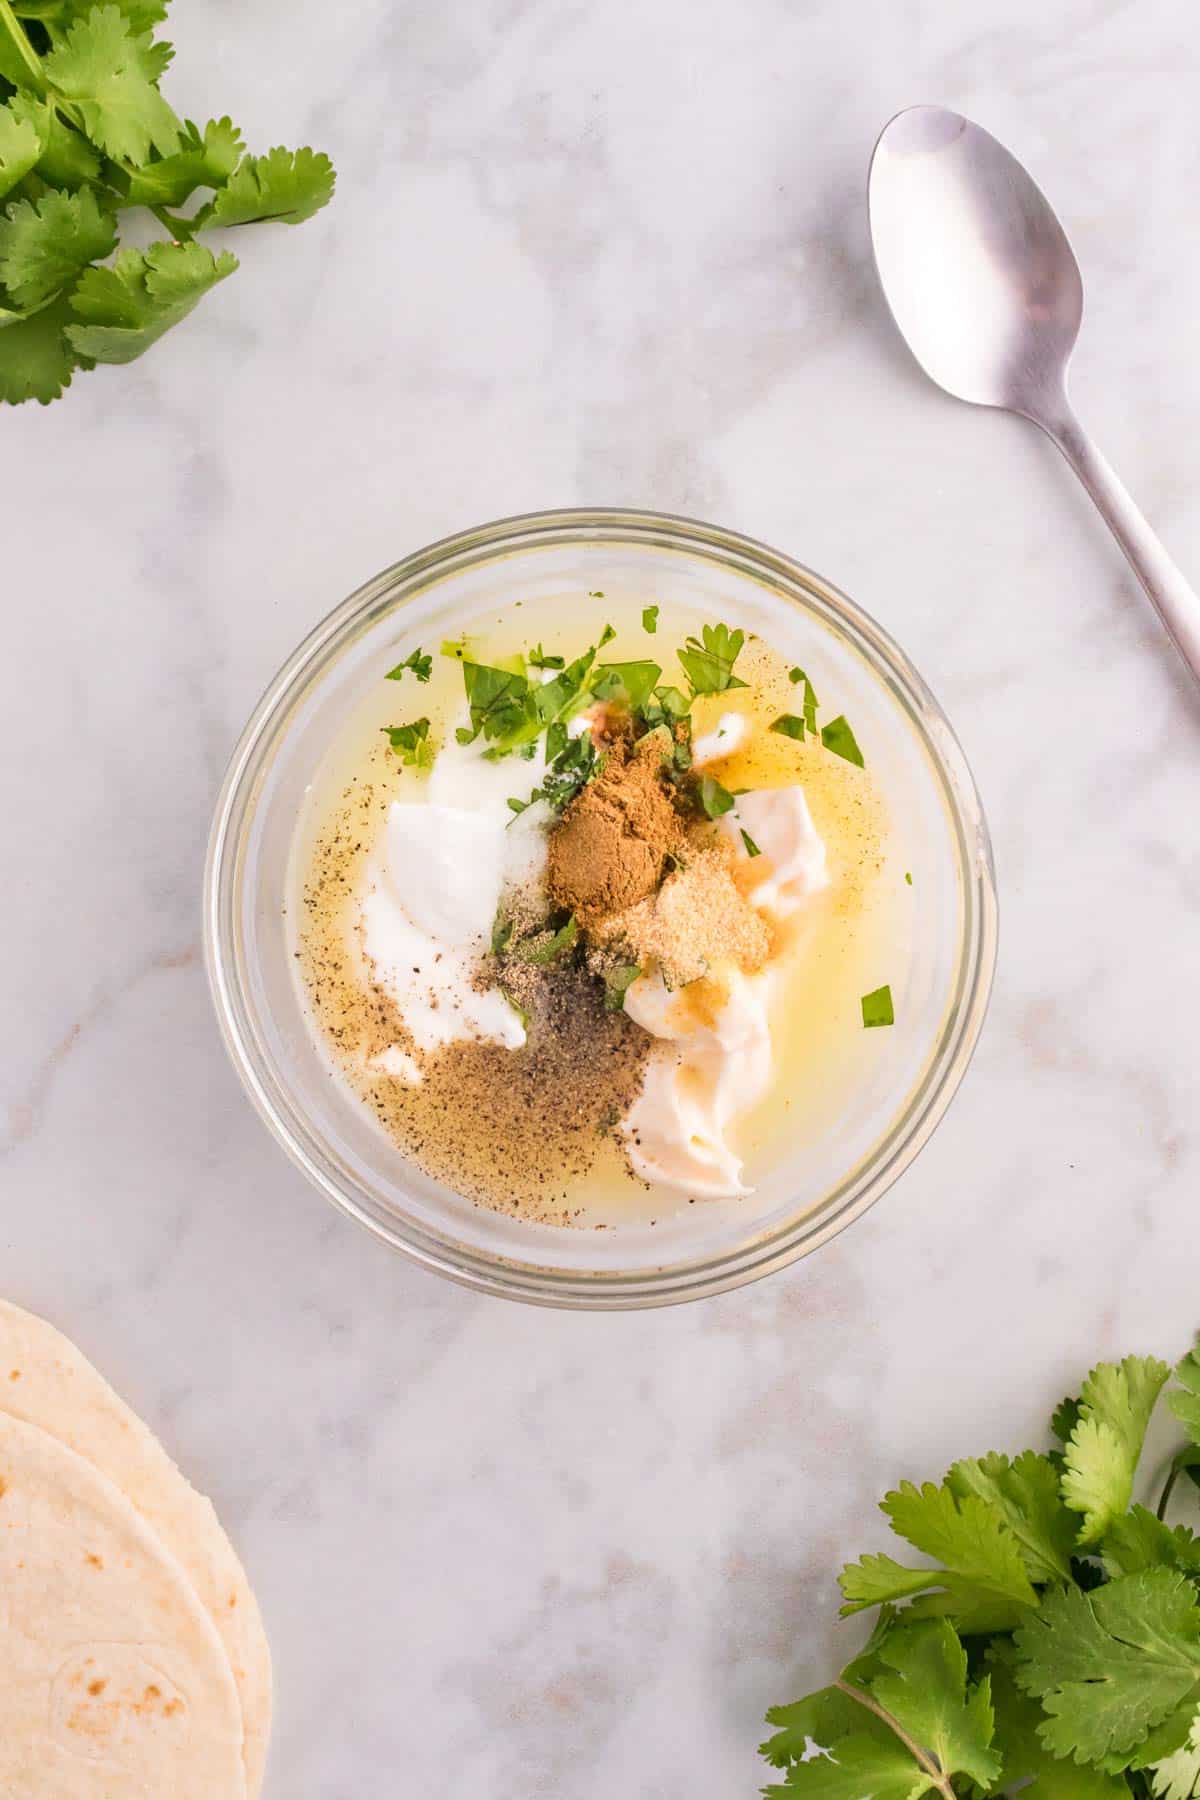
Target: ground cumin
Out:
[610,849]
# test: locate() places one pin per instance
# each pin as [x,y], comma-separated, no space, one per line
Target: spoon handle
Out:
[1173,597]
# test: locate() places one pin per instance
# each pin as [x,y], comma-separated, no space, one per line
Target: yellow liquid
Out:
[843,943]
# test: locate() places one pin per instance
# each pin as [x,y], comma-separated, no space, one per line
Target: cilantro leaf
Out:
[979,1559]
[1139,1541]
[834,1749]
[1115,1404]
[35,358]
[1184,1401]
[708,660]
[67,159]
[122,310]
[1026,1495]
[109,75]
[421,666]
[288,185]
[539,660]
[547,950]
[715,799]
[1025,1758]
[1065,1419]
[925,1689]
[24,128]
[59,15]
[1177,1777]
[411,743]
[789,725]
[1110,1665]
[45,243]
[206,161]
[878,1008]
[672,703]
[629,683]
[617,982]
[498,700]
[650,619]
[838,737]
[572,766]
[796,676]
[967,1535]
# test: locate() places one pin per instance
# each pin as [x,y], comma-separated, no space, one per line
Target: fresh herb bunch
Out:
[1052,1648]
[85,134]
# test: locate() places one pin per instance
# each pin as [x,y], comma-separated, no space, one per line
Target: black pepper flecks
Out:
[514,1130]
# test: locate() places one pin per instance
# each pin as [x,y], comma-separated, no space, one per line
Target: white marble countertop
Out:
[603,253]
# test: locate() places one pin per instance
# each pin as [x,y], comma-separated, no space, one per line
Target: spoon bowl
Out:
[976,268]
[986,291]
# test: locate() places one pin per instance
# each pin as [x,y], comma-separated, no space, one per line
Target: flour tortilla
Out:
[115,1683]
[47,1382]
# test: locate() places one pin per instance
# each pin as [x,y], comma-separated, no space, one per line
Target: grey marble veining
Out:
[612,254]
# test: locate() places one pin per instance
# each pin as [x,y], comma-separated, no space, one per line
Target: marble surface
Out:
[606,253]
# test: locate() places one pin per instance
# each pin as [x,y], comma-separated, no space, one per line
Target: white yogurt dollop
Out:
[431,891]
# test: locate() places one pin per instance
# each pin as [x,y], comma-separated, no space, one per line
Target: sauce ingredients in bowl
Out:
[587,916]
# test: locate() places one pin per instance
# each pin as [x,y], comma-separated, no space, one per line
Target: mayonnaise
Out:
[708,1075]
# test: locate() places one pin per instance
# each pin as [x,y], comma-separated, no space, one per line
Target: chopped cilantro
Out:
[548,950]
[715,799]
[630,683]
[877,1008]
[752,848]
[538,659]
[502,930]
[789,725]
[421,666]
[650,619]
[617,983]
[708,660]
[499,702]
[673,703]
[411,743]
[838,737]
[908,876]
[810,700]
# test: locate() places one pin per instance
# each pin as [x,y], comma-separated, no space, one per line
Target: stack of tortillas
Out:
[132,1654]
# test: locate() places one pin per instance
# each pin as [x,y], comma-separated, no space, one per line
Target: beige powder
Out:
[697,920]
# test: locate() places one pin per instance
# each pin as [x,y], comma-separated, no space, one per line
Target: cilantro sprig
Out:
[86,135]
[417,661]
[411,743]
[1050,1635]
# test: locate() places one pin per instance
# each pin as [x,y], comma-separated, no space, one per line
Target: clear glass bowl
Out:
[912,1070]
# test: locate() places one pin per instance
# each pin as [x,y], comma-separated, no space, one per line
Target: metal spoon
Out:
[985,288]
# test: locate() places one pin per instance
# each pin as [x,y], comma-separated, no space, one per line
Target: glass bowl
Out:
[911,1071]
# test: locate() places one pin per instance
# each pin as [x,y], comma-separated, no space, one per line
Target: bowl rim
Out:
[863,1185]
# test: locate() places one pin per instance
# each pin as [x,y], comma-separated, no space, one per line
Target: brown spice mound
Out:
[610,848]
[696,922]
